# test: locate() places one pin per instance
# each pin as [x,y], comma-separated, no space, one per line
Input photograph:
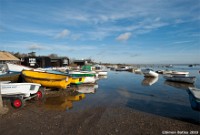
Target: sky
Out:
[107,31]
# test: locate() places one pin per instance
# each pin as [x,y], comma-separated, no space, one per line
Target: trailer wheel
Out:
[17,103]
[40,95]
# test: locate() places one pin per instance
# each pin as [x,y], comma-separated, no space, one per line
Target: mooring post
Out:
[3,110]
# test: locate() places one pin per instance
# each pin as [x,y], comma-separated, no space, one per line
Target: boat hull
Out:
[149,73]
[13,77]
[188,79]
[47,79]
[26,89]
[16,68]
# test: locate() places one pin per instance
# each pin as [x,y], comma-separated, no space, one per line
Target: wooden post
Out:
[3,110]
[1,102]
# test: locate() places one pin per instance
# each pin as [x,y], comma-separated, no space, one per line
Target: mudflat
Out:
[99,120]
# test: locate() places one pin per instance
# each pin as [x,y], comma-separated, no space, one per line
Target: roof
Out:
[6,56]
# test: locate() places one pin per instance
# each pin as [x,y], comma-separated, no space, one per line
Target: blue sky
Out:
[115,31]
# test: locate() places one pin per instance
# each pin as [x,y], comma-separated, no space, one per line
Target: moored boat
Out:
[12,77]
[47,79]
[101,72]
[149,73]
[186,79]
[89,77]
[176,73]
[194,97]
[195,92]
[16,68]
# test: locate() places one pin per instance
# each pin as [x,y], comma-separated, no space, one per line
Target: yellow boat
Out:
[77,80]
[46,79]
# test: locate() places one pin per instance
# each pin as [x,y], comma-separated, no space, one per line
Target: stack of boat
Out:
[47,78]
[180,76]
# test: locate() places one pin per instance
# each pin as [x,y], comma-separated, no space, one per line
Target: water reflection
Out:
[87,89]
[62,102]
[103,77]
[179,85]
[148,81]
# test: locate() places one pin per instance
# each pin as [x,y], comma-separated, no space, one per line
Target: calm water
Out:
[125,89]
[129,90]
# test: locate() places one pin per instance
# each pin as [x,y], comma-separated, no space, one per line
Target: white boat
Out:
[123,68]
[16,68]
[138,71]
[149,73]
[179,73]
[101,72]
[90,76]
[25,89]
[186,79]
[148,81]
[87,89]
[194,97]
[195,92]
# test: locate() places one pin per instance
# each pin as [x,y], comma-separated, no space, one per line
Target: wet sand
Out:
[99,120]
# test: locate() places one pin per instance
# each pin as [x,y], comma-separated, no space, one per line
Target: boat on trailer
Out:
[20,92]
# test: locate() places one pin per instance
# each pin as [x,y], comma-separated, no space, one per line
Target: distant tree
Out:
[53,55]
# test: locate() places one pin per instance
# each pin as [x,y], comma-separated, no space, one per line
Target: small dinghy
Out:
[19,92]
[149,73]
[194,97]
[185,79]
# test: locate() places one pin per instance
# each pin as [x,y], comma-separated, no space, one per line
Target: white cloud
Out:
[124,36]
[63,34]
[36,46]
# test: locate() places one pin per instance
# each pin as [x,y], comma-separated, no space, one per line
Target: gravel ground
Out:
[101,120]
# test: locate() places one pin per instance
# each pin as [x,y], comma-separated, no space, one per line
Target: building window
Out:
[32,61]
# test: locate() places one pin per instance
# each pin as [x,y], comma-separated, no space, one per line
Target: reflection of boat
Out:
[179,84]
[87,89]
[13,77]
[62,103]
[148,81]
[58,103]
[103,77]
[185,79]
[194,97]
[149,73]
[46,79]
[76,97]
